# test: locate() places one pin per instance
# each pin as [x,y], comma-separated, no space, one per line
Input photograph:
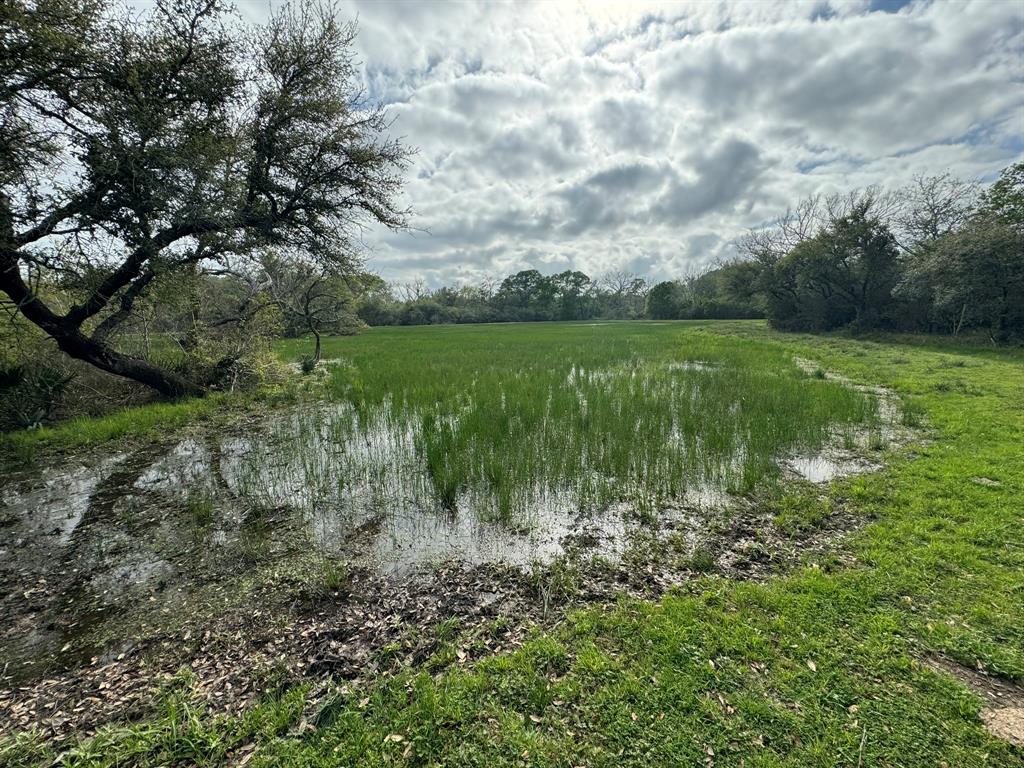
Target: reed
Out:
[507,419]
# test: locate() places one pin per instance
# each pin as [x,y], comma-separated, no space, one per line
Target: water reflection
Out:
[152,524]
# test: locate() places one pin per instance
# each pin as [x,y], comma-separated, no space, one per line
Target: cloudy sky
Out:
[603,136]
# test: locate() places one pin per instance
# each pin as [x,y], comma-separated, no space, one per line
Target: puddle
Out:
[95,537]
[823,468]
[889,410]
[844,454]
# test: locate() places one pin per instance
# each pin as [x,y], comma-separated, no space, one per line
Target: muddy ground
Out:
[362,623]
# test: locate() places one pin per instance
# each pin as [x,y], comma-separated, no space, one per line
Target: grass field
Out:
[508,418]
[830,664]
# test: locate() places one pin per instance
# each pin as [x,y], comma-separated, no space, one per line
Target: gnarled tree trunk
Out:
[71,340]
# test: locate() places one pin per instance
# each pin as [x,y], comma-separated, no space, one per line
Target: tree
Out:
[975,277]
[932,207]
[136,149]
[313,298]
[739,284]
[1005,198]
[572,293]
[845,274]
[624,293]
[664,301]
[527,295]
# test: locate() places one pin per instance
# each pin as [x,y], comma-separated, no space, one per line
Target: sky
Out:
[648,137]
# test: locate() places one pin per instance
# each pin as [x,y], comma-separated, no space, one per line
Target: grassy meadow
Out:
[512,417]
[829,664]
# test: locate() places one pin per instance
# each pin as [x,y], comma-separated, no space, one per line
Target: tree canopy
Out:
[139,148]
[937,255]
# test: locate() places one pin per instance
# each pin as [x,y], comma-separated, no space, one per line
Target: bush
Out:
[30,395]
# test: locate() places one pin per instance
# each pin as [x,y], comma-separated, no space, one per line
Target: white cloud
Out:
[620,135]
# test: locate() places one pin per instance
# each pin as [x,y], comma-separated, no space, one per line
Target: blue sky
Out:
[647,137]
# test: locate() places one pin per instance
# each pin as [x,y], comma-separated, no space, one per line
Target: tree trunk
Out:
[960,322]
[81,347]
[69,337]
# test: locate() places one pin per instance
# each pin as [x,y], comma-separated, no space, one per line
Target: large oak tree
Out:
[137,147]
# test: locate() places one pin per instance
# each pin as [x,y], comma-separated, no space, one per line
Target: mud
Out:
[294,547]
[293,630]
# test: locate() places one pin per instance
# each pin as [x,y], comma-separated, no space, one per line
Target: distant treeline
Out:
[530,296]
[941,255]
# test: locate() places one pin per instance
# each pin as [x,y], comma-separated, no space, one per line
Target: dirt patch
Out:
[368,625]
[1006,724]
[1004,715]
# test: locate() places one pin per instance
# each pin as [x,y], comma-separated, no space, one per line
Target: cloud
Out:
[649,136]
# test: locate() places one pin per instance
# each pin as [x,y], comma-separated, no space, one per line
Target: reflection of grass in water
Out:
[509,415]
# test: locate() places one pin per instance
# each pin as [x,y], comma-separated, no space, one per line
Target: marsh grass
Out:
[200,507]
[508,420]
[716,666]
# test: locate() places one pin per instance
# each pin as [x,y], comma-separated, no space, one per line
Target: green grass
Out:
[138,421]
[509,418]
[141,422]
[817,668]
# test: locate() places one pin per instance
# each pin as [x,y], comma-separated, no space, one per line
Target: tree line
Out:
[529,296]
[942,255]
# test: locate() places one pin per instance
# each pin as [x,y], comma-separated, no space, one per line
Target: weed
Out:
[800,510]
[702,560]
[554,583]
[334,576]
[200,507]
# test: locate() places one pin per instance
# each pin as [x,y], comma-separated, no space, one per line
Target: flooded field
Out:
[509,452]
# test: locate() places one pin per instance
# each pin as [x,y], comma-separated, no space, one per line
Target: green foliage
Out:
[835,263]
[177,136]
[844,276]
[800,510]
[529,296]
[29,397]
[664,301]
[1005,198]
[721,293]
[975,277]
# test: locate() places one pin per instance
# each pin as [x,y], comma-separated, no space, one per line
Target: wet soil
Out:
[256,567]
[292,630]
